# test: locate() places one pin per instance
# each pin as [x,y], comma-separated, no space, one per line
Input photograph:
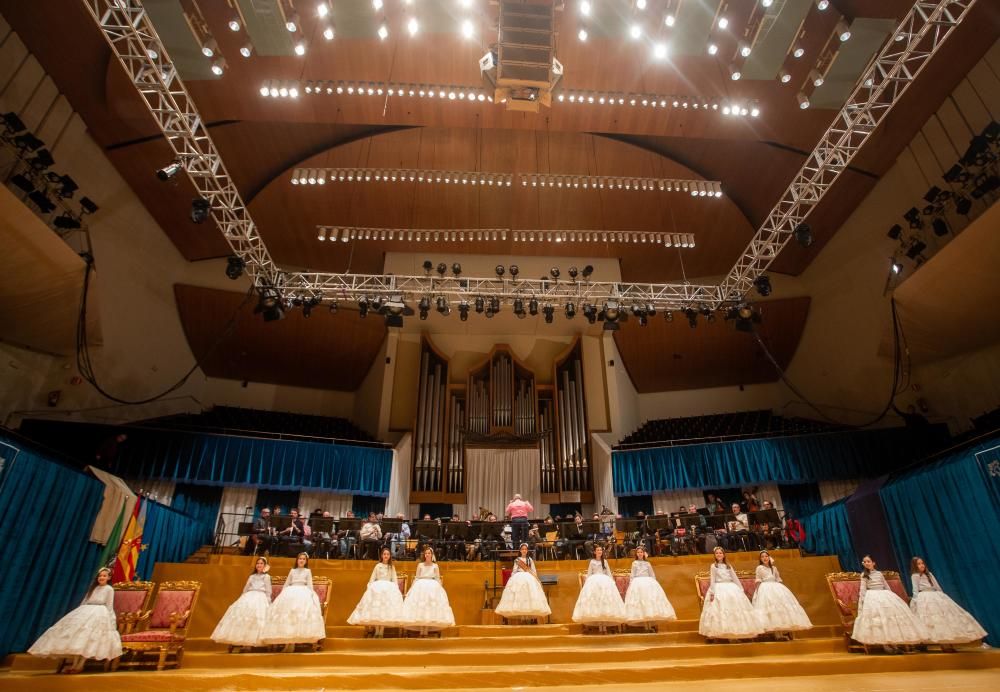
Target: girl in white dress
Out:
[426,607]
[244,621]
[946,622]
[523,596]
[645,602]
[88,631]
[883,617]
[726,612]
[777,608]
[599,602]
[296,616]
[382,604]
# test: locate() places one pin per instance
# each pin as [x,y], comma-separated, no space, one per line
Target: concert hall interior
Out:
[482,344]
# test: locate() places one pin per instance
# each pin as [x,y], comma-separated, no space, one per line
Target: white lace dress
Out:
[776,606]
[523,596]
[426,605]
[599,602]
[382,603]
[645,601]
[946,622]
[883,617]
[295,615]
[245,620]
[90,630]
[727,612]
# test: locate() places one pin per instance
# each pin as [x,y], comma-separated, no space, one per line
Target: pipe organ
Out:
[501,404]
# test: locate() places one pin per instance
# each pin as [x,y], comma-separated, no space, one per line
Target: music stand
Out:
[391,525]
[426,530]
[659,522]
[321,525]
[350,524]
[764,516]
[281,522]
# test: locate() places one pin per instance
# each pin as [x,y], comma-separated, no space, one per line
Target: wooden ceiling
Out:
[671,356]
[324,351]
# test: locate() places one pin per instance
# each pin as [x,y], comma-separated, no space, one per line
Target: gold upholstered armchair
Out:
[163,629]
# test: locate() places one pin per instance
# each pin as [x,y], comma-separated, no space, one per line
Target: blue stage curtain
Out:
[48,566]
[362,506]
[201,503]
[263,463]
[828,533]
[948,514]
[631,506]
[801,459]
[801,499]
[169,536]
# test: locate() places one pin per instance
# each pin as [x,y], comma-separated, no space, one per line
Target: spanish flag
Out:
[128,552]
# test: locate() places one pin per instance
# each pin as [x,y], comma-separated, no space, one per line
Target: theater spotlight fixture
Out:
[234,267]
[200,207]
[66,222]
[692,317]
[269,307]
[668,316]
[456,268]
[494,305]
[424,307]
[587,271]
[895,232]
[480,305]
[519,308]
[533,307]
[442,268]
[514,271]
[442,305]
[763,285]
[590,312]
[570,311]
[463,311]
[427,265]
[169,171]
[803,234]
[896,266]
[500,269]
[549,312]
[554,272]
[573,273]
[362,307]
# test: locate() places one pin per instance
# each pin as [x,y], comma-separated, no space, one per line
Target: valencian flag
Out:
[128,552]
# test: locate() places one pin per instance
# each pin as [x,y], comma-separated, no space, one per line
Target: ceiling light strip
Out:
[462,235]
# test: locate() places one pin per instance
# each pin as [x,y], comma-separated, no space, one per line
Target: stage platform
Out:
[495,656]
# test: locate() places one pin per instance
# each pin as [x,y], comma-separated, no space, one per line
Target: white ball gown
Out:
[727,612]
[90,630]
[426,605]
[946,622]
[645,600]
[599,602]
[382,603]
[883,617]
[245,620]
[523,596]
[776,607]
[295,615]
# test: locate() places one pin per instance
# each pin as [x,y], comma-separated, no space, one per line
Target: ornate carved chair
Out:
[622,579]
[321,585]
[703,580]
[131,601]
[845,588]
[163,629]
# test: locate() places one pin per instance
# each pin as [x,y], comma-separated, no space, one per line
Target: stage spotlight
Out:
[42,160]
[28,142]
[22,183]
[533,307]
[692,317]
[913,217]
[963,205]
[442,268]
[480,305]
[611,312]
[169,171]
[67,186]
[463,311]
[650,309]
[587,271]
[309,304]
[916,248]
[519,308]
[548,311]
[424,307]
[333,307]
[200,208]
[270,308]
[895,231]
[494,305]
[500,269]
[489,313]
[428,265]
[763,285]
[514,270]
[985,184]
[66,222]
[940,227]
[896,266]
[803,234]
[456,268]
[932,194]
[590,312]
[643,320]
[668,316]
[573,273]
[12,123]
[442,305]
[554,272]
[42,201]
[234,267]
[570,311]
[956,174]
[362,307]
[87,206]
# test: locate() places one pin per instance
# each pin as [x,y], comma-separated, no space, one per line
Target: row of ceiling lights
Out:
[348,233]
[320,176]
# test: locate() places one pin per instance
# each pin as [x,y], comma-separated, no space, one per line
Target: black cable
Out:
[897,358]
[85,365]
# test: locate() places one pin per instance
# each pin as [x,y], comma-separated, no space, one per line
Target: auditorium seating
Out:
[235,420]
[720,426]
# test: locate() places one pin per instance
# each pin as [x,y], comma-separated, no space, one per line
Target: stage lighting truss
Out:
[452,235]
[322,176]
[132,38]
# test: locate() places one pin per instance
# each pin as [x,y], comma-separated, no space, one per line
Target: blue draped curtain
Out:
[169,536]
[801,499]
[270,498]
[48,568]
[948,514]
[263,463]
[828,533]
[201,503]
[806,458]
[631,506]
[362,506]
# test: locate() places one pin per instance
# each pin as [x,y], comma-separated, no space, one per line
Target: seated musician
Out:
[296,533]
[260,538]
[737,530]
[645,535]
[567,544]
[346,538]
[713,505]
[397,541]
[534,536]
[323,541]
[697,525]
[595,538]
[454,538]
[370,537]
[795,533]
[768,535]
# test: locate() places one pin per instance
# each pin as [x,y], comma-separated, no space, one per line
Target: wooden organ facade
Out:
[501,404]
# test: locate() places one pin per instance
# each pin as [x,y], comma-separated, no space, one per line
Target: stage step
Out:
[443,671]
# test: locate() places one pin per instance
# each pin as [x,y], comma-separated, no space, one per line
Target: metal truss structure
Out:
[130,33]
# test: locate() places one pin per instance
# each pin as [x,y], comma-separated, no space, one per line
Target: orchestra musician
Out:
[346,538]
[371,537]
[261,538]
[296,532]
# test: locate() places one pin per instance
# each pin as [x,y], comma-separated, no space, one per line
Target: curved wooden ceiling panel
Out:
[670,356]
[324,351]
